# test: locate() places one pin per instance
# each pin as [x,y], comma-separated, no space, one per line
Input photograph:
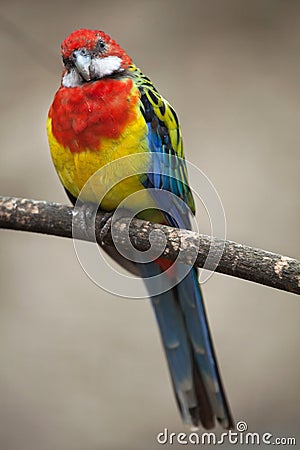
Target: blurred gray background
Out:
[80,369]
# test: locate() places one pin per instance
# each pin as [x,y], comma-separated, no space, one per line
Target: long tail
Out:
[189,350]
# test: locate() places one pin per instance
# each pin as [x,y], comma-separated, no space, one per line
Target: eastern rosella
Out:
[105,109]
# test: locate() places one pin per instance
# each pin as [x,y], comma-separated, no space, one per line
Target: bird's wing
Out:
[168,170]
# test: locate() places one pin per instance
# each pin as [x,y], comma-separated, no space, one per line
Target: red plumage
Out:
[85,114]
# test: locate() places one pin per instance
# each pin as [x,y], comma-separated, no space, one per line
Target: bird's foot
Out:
[105,226]
[83,223]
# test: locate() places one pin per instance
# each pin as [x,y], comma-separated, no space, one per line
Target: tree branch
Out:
[237,260]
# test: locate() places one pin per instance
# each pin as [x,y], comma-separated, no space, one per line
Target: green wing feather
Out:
[165,139]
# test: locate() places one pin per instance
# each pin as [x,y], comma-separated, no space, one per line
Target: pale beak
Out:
[82,60]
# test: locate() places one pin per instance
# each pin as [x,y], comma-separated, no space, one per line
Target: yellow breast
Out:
[111,183]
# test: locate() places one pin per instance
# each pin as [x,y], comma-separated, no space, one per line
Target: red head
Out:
[89,55]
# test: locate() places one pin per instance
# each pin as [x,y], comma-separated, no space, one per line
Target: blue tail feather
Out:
[189,350]
[176,345]
[190,299]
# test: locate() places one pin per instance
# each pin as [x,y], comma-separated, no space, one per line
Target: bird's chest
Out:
[91,127]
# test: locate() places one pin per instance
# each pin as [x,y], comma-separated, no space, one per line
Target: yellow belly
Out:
[80,174]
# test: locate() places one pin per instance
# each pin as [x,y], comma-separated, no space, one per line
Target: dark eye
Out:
[100,45]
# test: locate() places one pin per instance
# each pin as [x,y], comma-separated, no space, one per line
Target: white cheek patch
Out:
[99,68]
[72,79]
[103,67]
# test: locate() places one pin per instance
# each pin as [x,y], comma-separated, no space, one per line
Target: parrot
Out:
[105,109]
